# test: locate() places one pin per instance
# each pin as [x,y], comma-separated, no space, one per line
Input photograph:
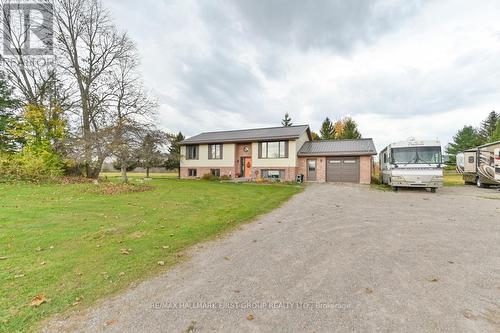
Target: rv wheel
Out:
[395,188]
[433,190]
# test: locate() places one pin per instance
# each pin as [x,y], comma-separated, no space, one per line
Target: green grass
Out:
[453,179]
[65,242]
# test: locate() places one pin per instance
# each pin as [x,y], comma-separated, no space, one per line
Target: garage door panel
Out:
[343,169]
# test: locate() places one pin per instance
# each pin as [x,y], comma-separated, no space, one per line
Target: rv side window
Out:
[385,157]
[471,159]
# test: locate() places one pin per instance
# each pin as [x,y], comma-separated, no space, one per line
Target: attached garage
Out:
[337,161]
[342,169]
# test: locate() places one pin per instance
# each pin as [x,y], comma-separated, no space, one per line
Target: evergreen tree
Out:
[150,155]
[496,134]
[287,121]
[488,127]
[327,131]
[349,130]
[174,153]
[466,138]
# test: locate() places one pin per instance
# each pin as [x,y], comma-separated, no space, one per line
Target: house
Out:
[277,153]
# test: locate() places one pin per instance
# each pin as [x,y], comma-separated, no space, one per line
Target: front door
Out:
[247,167]
[311,170]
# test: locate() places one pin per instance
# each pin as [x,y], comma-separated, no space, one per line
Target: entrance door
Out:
[311,170]
[247,167]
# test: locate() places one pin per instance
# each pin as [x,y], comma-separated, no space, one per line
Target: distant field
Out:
[159,175]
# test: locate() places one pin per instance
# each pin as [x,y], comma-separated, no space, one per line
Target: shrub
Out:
[30,166]
[210,177]
[225,177]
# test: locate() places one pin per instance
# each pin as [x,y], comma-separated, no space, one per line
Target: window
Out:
[311,165]
[273,174]
[192,152]
[385,157]
[334,161]
[277,149]
[192,172]
[215,152]
[417,155]
[471,159]
[349,161]
[215,172]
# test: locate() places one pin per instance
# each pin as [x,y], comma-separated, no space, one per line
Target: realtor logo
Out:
[27,29]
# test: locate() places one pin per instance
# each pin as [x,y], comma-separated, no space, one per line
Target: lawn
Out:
[70,246]
[453,179]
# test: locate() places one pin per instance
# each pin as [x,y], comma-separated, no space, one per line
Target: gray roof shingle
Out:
[338,148]
[248,135]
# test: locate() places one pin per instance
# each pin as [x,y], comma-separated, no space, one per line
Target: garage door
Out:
[342,169]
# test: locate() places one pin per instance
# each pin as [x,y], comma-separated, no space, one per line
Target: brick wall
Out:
[224,171]
[365,169]
[290,172]
[320,168]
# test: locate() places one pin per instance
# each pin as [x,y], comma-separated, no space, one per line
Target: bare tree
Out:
[133,110]
[92,50]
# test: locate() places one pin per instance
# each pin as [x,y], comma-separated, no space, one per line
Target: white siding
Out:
[300,142]
[291,161]
[228,151]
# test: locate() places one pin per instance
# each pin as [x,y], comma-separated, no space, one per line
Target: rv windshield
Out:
[416,155]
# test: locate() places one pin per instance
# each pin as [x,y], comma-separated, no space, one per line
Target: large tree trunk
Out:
[124,173]
[147,172]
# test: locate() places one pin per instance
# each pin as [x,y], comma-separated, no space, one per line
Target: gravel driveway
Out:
[335,258]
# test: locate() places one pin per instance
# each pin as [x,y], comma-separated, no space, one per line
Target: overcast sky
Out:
[400,68]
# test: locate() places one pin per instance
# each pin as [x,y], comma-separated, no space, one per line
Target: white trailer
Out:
[412,163]
[480,165]
[497,165]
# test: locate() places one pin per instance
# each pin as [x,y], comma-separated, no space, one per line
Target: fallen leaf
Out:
[121,274]
[38,249]
[369,290]
[226,258]
[172,235]
[76,303]
[19,276]
[124,251]
[111,322]
[432,279]
[43,263]
[165,247]
[39,300]
[161,263]
[250,317]
[51,247]
[451,262]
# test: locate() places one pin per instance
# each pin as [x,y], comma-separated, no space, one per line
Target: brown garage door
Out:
[342,169]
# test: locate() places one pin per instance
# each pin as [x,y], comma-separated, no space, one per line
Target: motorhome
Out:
[497,164]
[412,163]
[480,165]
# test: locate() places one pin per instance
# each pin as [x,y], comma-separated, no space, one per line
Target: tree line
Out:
[342,129]
[67,113]
[470,137]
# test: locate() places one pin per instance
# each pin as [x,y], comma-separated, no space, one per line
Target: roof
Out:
[249,135]
[338,148]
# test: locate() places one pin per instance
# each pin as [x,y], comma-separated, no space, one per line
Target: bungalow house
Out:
[277,153]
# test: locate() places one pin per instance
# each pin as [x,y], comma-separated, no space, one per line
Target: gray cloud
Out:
[334,24]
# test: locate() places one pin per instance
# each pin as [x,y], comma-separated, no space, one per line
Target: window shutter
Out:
[286,149]
[197,152]
[260,149]
[221,151]
[210,152]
